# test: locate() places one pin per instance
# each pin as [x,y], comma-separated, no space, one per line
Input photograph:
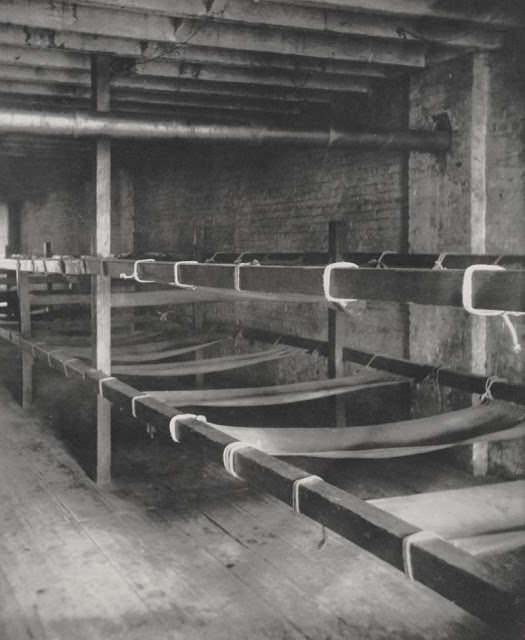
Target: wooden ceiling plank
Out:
[500,13]
[63,19]
[19,46]
[309,18]
[40,96]
[62,82]
[215,73]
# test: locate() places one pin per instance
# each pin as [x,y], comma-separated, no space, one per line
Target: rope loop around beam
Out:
[487,394]
[297,484]
[439,264]
[134,400]
[135,275]
[467,293]
[327,275]
[181,417]
[100,383]
[228,456]
[408,542]
[380,263]
[176,276]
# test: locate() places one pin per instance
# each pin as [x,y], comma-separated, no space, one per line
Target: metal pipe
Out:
[79,124]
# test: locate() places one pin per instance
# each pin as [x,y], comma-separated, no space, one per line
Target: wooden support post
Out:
[101,284]
[336,322]
[198,318]
[23,286]
[478,223]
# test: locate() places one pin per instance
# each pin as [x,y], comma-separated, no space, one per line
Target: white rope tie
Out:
[380,264]
[327,275]
[487,394]
[439,263]
[135,275]
[237,274]
[408,542]
[50,353]
[295,490]
[176,275]
[134,400]
[238,259]
[65,363]
[370,362]
[181,417]
[101,382]
[467,291]
[228,456]
[36,345]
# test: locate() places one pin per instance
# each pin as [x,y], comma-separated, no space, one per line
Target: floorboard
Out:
[178,549]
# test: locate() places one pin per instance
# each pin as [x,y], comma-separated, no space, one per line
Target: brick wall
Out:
[471,200]
[59,207]
[275,199]
[54,210]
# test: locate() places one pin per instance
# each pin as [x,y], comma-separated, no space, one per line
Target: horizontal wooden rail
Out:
[469,382]
[122,299]
[453,573]
[68,265]
[386,259]
[494,290]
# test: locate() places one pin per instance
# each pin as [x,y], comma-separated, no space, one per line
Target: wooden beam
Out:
[495,290]
[101,284]
[498,13]
[65,19]
[336,322]
[30,46]
[42,96]
[312,18]
[156,74]
[126,299]
[216,73]
[64,83]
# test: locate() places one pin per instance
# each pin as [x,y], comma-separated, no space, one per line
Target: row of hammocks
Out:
[493,421]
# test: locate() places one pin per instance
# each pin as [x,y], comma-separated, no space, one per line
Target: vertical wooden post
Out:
[23,287]
[198,320]
[336,321]
[101,283]
[197,309]
[478,222]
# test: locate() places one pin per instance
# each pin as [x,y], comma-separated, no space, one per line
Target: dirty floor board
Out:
[183,551]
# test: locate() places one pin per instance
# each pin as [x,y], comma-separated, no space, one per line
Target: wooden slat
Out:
[461,513]
[501,390]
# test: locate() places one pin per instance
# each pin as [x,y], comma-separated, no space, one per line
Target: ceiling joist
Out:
[501,13]
[62,19]
[312,18]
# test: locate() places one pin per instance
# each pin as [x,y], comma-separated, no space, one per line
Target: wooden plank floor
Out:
[178,549]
